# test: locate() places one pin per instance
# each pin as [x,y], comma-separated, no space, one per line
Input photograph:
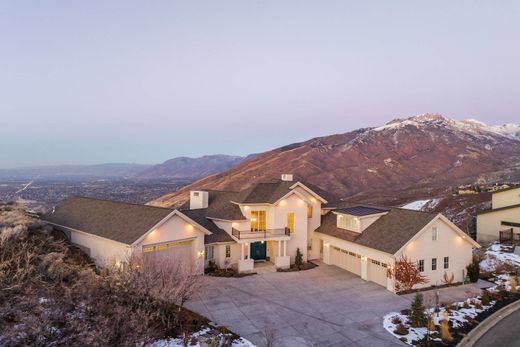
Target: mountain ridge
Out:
[427,152]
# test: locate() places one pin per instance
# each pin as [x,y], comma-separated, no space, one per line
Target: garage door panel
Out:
[346,260]
[178,252]
[377,272]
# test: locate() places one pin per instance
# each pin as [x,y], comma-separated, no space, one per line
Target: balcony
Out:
[260,235]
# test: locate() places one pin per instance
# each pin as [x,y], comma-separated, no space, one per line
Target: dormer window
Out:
[348,222]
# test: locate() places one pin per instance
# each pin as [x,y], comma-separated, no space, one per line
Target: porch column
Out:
[241,251]
[248,250]
[279,254]
[285,248]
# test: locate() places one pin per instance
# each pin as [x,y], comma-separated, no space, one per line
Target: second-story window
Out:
[290,222]
[258,221]
[434,264]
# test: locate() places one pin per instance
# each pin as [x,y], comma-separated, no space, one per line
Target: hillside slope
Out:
[400,161]
[193,168]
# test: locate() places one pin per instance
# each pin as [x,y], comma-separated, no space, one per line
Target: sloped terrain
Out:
[404,160]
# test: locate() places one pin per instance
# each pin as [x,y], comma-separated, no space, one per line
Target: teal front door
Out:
[258,251]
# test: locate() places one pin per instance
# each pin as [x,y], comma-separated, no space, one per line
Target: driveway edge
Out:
[479,331]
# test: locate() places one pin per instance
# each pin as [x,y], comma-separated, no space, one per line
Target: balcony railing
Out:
[269,233]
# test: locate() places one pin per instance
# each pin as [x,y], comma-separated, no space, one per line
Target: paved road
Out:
[325,306]
[504,334]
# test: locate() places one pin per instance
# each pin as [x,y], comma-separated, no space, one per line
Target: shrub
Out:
[431,323]
[473,270]
[513,282]
[401,329]
[485,298]
[298,260]
[417,317]
[466,305]
[396,320]
[445,331]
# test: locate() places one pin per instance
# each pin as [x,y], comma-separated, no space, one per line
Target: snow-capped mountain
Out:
[469,126]
[401,161]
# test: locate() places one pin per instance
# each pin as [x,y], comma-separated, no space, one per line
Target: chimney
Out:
[287,177]
[198,199]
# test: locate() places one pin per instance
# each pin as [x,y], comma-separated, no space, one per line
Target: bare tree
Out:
[407,274]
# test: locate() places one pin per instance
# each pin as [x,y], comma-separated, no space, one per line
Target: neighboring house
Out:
[269,222]
[504,215]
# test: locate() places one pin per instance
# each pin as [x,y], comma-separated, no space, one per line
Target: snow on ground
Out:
[458,315]
[200,339]
[497,254]
[420,205]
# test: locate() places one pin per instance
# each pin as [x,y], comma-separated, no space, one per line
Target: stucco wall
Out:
[506,198]
[449,244]
[489,224]
[102,251]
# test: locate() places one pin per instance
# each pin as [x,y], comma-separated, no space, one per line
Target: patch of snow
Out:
[497,254]
[417,205]
[469,126]
[457,317]
[178,342]
[372,170]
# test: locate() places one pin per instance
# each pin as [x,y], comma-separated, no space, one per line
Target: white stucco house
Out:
[504,216]
[268,222]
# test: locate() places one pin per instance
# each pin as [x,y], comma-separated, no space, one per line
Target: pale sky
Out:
[86,82]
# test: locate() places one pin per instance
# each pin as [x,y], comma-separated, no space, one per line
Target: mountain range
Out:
[420,157]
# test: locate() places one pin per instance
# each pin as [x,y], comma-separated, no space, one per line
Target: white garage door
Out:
[180,251]
[377,272]
[349,261]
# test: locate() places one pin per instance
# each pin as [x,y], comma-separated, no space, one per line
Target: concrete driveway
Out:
[325,306]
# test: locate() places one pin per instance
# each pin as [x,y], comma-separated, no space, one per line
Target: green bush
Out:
[417,317]
[473,270]
[298,261]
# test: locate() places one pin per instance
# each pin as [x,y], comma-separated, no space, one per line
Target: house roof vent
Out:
[287,177]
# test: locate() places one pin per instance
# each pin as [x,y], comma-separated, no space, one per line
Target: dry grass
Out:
[51,294]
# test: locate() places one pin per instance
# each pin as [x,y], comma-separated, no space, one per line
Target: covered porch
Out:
[261,251]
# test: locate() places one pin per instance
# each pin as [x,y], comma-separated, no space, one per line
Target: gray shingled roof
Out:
[114,220]
[388,234]
[220,206]
[264,193]
[361,211]
[199,216]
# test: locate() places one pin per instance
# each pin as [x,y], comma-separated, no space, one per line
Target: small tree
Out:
[473,270]
[445,331]
[417,317]
[298,261]
[407,274]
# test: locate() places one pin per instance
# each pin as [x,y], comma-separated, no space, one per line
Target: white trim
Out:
[455,228]
[380,214]
[310,191]
[300,195]
[172,241]
[227,220]
[174,213]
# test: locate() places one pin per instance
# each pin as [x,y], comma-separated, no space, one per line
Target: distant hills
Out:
[195,168]
[182,168]
[113,170]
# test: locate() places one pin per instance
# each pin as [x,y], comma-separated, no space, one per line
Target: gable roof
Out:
[118,221]
[388,233]
[217,234]
[271,192]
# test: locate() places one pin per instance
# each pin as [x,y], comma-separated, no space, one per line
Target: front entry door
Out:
[258,251]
